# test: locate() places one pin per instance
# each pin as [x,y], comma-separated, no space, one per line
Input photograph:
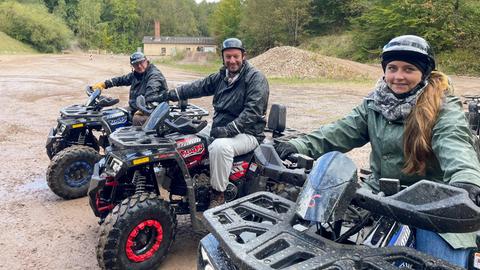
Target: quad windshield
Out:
[92,97]
[157,117]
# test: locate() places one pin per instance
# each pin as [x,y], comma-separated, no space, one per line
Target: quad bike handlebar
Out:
[96,99]
[332,186]
[427,205]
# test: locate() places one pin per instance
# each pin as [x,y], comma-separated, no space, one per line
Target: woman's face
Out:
[402,77]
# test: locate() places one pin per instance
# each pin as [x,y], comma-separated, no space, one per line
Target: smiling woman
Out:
[417,130]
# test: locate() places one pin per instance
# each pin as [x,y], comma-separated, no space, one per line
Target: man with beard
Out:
[240,98]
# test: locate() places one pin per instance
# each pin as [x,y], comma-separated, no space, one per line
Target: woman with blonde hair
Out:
[417,130]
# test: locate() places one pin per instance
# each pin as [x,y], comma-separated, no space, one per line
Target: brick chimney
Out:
[157,29]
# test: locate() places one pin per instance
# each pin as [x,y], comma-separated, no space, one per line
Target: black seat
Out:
[277,119]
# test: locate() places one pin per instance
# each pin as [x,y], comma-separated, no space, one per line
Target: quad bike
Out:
[335,224]
[138,222]
[473,113]
[77,123]
[73,147]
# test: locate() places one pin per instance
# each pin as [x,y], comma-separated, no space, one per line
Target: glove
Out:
[100,85]
[221,132]
[172,95]
[285,149]
[473,190]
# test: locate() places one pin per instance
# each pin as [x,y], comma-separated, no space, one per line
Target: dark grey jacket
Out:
[149,84]
[241,106]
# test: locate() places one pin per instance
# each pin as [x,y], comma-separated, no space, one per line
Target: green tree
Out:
[88,14]
[225,20]
[269,23]
[176,17]
[61,9]
[202,14]
[258,27]
[32,24]
[123,25]
[293,16]
[443,22]
[332,16]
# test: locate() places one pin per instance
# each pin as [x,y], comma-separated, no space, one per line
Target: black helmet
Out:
[137,57]
[232,43]
[412,49]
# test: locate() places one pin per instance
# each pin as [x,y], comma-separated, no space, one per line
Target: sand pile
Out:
[290,62]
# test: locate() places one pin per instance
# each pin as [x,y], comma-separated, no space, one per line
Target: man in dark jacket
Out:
[240,97]
[145,80]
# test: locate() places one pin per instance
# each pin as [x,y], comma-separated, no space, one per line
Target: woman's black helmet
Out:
[412,49]
[232,43]
[137,57]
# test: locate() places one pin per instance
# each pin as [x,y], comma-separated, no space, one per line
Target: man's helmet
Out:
[137,57]
[411,47]
[232,43]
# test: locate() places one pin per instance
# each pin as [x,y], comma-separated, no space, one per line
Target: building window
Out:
[188,49]
[164,51]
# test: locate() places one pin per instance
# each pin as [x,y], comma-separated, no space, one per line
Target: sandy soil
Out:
[42,231]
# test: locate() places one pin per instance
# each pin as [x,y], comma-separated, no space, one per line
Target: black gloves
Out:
[165,96]
[285,149]
[172,95]
[222,132]
[473,190]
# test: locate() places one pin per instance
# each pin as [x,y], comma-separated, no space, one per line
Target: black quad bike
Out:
[473,113]
[336,224]
[138,220]
[73,147]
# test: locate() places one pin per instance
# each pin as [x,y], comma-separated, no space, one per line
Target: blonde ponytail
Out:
[417,136]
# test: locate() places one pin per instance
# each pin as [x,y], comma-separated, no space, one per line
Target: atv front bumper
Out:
[96,185]
[51,139]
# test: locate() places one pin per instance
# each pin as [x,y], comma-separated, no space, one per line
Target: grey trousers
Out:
[221,154]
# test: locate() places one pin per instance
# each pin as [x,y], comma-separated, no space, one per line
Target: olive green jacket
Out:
[452,144]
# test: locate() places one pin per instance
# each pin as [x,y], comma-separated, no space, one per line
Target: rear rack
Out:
[261,231]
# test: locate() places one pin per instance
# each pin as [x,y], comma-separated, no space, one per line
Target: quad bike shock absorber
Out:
[140,182]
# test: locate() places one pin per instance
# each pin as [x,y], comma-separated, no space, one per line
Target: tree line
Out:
[452,26]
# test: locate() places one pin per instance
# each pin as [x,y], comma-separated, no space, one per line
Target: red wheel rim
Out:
[144,240]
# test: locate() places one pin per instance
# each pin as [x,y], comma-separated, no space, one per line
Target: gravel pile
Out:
[290,62]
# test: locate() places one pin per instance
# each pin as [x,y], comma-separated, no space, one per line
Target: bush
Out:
[459,61]
[337,45]
[32,24]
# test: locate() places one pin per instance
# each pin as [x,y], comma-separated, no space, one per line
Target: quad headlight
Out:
[115,164]
[61,128]
[207,264]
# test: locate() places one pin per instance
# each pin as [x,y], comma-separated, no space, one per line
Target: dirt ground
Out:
[42,231]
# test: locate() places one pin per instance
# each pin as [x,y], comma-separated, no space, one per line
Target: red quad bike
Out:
[138,222]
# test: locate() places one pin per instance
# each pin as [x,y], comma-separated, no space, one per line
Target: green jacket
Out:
[452,143]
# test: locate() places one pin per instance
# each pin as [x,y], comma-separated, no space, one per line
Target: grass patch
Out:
[203,69]
[9,45]
[211,65]
[459,62]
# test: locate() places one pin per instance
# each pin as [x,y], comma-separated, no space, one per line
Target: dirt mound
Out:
[288,62]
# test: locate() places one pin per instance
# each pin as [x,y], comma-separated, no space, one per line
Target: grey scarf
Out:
[392,107]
